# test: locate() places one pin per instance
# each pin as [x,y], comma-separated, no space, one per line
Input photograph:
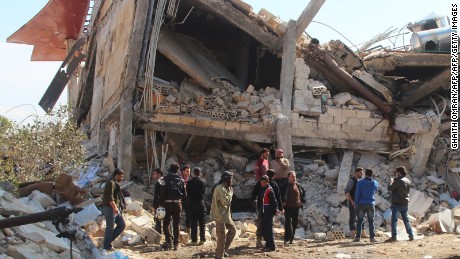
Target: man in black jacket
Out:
[350,191]
[255,193]
[157,175]
[399,188]
[268,207]
[196,190]
[171,195]
[293,199]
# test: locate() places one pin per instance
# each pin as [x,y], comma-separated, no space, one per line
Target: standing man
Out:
[171,196]
[157,175]
[350,191]
[196,190]
[113,203]
[293,199]
[186,203]
[281,167]
[262,163]
[399,188]
[255,198]
[220,212]
[365,201]
[268,206]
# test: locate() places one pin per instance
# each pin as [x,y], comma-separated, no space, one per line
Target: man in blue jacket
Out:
[365,202]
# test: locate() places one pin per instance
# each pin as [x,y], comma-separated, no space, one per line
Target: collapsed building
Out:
[210,82]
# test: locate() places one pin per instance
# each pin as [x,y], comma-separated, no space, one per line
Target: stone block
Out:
[183,237]
[337,134]
[218,124]
[363,114]
[295,116]
[334,112]
[371,122]
[43,237]
[250,89]
[329,127]
[172,119]
[295,124]
[139,224]
[354,121]
[349,113]
[308,125]
[243,105]
[189,120]
[29,249]
[245,96]
[315,110]
[340,120]
[255,107]
[318,90]
[302,70]
[254,99]
[230,125]
[342,98]
[326,118]
[300,83]
[381,203]
[151,236]
[44,199]
[268,99]
[203,122]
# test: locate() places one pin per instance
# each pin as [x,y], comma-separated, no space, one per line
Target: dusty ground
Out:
[436,246]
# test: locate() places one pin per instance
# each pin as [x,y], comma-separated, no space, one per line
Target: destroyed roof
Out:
[48,31]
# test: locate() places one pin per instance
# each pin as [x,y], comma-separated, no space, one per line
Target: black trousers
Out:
[291,216]
[187,211]
[158,226]
[173,210]
[267,222]
[353,216]
[197,218]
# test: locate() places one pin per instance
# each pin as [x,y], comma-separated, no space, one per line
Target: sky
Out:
[23,82]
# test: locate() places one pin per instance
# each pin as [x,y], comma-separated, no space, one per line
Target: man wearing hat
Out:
[281,167]
[220,212]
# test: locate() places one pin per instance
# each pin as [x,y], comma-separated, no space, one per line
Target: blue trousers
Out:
[368,209]
[111,233]
[395,211]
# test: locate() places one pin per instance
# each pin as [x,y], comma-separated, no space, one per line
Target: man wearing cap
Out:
[220,212]
[262,163]
[281,167]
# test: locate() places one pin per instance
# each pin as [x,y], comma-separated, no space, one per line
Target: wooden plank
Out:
[307,16]
[341,143]
[429,86]
[211,132]
[235,17]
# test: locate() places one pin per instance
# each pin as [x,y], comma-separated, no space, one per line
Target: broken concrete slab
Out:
[335,199]
[44,199]
[412,122]
[9,205]
[43,237]
[370,160]
[31,250]
[382,203]
[419,203]
[89,213]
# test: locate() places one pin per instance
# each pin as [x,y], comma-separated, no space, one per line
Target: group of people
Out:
[360,193]
[276,192]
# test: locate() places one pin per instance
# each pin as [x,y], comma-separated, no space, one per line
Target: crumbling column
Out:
[283,137]
[287,69]
[421,147]
[345,169]
[125,150]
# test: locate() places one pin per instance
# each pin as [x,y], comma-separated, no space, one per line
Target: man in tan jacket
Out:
[220,212]
[281,167]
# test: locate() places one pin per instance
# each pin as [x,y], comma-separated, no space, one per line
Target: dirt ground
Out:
[435,246]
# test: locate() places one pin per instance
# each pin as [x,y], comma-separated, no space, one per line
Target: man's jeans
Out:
[395,211]
[370,210]
[110,233]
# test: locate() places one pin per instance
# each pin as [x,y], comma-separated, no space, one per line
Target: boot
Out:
[259,243]
[353,234]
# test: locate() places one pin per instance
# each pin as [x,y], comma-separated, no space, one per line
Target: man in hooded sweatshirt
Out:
[365,202]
